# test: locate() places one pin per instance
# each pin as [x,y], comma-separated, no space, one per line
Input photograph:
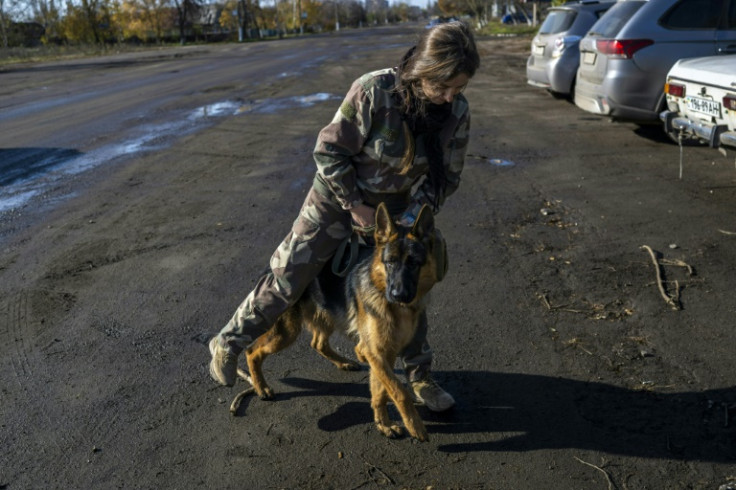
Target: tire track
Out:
[16,324]
[31,374]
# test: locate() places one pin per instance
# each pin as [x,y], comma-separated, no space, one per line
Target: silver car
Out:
[554,58]
[626,55]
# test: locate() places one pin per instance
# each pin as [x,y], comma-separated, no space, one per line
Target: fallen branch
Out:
[239,397]
[608,477]
[379,470]
[726,232]
[678,263]
[673,301]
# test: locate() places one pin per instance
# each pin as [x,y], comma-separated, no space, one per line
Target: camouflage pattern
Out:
[359,154]
[358,158]
[315,235]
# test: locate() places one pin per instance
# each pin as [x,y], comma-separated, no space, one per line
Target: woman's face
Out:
[443,93]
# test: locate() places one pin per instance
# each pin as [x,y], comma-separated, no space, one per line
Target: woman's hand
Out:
[363,215]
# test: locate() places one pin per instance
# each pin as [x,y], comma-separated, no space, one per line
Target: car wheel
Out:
[571,96]
[558,95]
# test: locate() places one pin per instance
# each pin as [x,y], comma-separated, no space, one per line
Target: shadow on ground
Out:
[517,412]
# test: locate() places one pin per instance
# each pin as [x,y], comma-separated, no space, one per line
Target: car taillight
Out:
[729,102]
[621,48]
[674,89]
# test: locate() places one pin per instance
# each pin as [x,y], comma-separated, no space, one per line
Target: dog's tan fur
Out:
[382,326]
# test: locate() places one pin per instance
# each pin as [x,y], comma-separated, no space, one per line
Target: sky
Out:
[419,3]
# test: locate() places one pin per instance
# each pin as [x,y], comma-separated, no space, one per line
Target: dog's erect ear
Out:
[424,224]
[384,225]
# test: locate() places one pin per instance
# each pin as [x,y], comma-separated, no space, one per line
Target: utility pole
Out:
[337,18]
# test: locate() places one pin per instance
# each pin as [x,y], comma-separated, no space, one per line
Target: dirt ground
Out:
[569,368]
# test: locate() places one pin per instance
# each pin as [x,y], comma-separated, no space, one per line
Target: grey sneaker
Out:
[224,363]
[427,392]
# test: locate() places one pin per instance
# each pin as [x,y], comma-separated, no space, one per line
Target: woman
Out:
[399,137]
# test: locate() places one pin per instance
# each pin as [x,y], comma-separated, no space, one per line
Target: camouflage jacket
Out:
[361,150]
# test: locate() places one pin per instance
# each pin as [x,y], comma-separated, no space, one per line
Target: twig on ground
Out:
[543,297]
[679,263]
[239,397]
[381,472]
[245,376]
[608,477]
[672,301]
[549,306]
[726,232]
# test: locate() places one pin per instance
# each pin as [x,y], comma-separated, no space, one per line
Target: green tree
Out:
[89,21]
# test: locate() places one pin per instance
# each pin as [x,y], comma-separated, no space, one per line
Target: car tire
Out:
[558,95]
[571,96]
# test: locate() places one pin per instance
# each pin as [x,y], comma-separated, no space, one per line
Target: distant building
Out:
[376,5]
[209,15]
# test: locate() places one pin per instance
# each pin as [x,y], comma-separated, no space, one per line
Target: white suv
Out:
[701,100]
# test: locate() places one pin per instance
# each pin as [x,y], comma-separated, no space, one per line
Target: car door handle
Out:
[731,48]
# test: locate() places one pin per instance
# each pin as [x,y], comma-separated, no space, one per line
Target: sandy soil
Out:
[570,370]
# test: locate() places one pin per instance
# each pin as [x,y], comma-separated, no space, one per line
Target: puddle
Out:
[34,171]
[218,109]
[499,162]
[272,106]
[8,203]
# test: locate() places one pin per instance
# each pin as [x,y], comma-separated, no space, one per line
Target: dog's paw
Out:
[266,393]
[391,431]
[418,431]
[421,436]
[349,366]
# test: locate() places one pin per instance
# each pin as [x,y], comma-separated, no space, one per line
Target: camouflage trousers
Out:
[314,237]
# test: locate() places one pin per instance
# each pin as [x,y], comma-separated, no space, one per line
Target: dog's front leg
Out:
[379,400]
[382,372]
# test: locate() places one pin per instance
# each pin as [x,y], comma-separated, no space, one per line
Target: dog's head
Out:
[404,260]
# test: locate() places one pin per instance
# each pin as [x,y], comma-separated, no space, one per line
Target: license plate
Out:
[589,57]
[539,50]
[704,106]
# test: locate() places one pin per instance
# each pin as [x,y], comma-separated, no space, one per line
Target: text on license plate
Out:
[589,57]
[704,106]
[539,49]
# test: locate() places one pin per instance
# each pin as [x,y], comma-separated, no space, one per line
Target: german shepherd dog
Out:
[378,304]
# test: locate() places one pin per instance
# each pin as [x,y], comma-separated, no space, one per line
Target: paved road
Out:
[568,367]
[64,118]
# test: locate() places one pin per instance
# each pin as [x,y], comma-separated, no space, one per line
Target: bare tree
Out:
[3,23]
[243,18]
[91,13]
[479,9]
[185,10]
[46,13]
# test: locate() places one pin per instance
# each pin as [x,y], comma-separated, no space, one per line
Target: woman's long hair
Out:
[441,53]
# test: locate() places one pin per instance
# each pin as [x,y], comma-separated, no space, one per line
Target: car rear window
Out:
[558,21]
[693,14]
[613,21]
